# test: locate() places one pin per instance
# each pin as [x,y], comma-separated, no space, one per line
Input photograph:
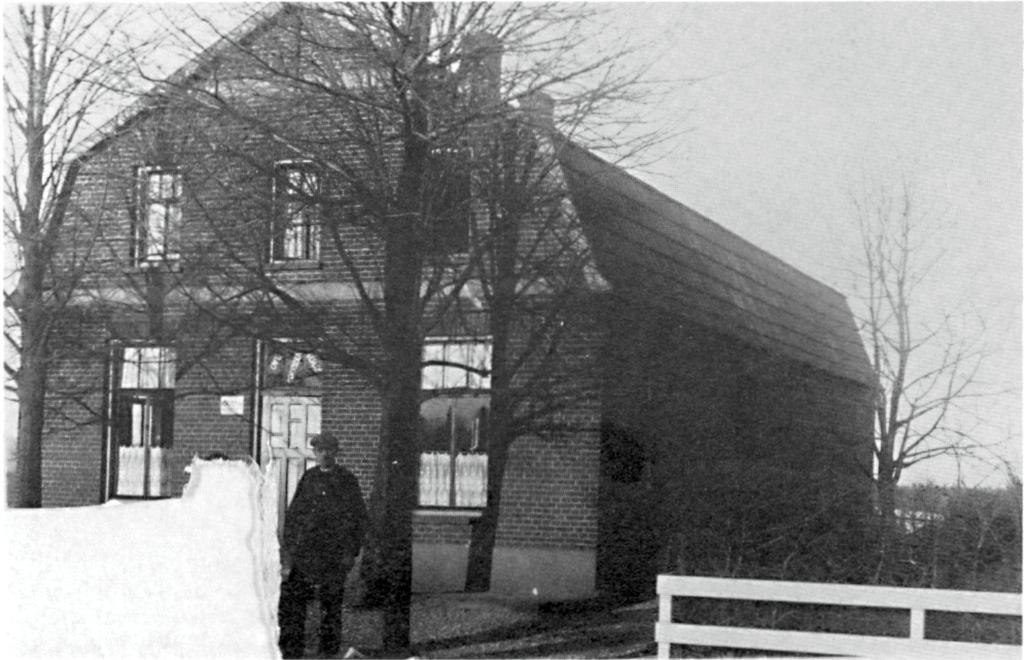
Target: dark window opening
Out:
[158,216]
[297,195]
[622,454]
[450,210]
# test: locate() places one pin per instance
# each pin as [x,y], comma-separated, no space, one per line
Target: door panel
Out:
[288,423]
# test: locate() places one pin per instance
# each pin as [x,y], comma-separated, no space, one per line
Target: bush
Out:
[970,539]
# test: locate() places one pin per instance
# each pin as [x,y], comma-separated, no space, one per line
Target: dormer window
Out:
[158,220]
[296,193]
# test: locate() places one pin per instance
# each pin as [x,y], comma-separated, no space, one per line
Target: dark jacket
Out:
[324,524]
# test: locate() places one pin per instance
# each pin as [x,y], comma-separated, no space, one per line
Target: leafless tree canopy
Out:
[926,363]
[394,99]
[64,65]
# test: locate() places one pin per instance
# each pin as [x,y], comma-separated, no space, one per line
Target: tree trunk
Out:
[501,431]
[485,529]
[394,491]
[886,489]
[500,435]
[31,400]
[389,549]
[29,304]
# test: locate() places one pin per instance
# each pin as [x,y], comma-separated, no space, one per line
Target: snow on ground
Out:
[194,577]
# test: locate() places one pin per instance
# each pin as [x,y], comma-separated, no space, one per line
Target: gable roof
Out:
[655,250]
[261,18]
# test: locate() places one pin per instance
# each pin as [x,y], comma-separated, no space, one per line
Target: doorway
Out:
[288,422]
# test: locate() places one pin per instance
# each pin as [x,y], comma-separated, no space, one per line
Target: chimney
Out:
[539,111]
[481,61]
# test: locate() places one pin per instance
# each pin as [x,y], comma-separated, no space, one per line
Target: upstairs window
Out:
[453,423]
[450,210]
[297,208]
[143,421]
[158,222]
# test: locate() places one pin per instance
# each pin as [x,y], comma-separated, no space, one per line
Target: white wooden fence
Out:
[916,600]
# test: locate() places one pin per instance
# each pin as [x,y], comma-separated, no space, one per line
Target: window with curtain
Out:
[453,423]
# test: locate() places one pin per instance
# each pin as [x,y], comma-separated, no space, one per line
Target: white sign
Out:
[232,405]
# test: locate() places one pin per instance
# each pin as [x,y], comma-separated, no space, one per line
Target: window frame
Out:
[169,232]
[475,382]
[284,219]
[444,464]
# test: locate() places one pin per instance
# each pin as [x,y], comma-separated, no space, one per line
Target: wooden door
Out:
[288,423]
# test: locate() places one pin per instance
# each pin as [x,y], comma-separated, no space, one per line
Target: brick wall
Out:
[226,159]
[351,409]
[550,495]
[550,487]
[199,426]
[72,429]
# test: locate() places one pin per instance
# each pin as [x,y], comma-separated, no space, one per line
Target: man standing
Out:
[323,531]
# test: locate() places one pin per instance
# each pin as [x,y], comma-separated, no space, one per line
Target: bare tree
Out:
[64,63]
[536,277]
[398,97]
[926,360]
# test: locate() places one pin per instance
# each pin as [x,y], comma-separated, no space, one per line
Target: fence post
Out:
[916,623]
[665,617]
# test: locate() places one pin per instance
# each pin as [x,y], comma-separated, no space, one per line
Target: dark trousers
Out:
[296,592]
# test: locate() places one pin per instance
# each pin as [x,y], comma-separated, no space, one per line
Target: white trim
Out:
[985,602]
[916,600]
[447,512]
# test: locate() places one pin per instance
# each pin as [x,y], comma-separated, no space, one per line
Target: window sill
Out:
[295,264]
[452,513]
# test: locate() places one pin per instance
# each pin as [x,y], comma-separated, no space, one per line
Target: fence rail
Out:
[918,601]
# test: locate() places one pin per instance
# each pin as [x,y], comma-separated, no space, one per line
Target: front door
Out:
[288,423]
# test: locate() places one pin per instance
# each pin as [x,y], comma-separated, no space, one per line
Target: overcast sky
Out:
[793,108]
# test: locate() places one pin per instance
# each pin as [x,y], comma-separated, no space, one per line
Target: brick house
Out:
[218,314]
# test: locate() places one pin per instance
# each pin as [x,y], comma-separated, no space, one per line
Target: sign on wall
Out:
[232,405]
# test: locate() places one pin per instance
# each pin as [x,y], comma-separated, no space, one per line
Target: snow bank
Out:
[191,577]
